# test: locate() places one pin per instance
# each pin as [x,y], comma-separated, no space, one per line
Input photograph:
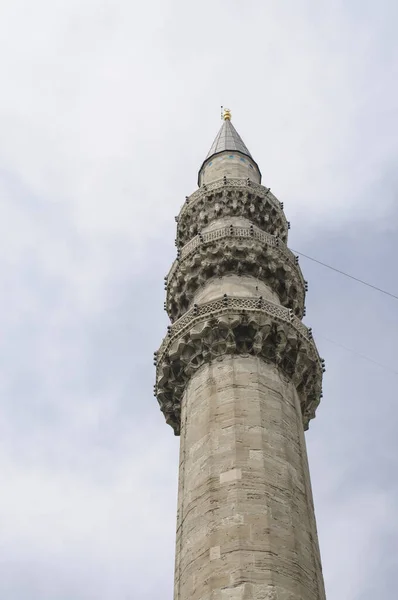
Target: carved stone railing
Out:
[239,251]
[233,231]
[237,326]
[232,182]
[235,197]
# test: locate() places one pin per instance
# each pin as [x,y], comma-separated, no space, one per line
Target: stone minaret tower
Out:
[239,377]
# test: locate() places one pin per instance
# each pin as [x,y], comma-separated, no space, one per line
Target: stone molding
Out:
[251,232]
[234,250]
[231,197]
[237,326]
[234,182]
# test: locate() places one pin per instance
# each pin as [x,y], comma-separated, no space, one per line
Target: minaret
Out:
[238,377]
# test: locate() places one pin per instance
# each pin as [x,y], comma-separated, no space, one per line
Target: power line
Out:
[375,362]
[347,275]
[359,354]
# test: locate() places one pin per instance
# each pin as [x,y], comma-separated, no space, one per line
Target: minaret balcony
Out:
[237,326]
[231,197]
[234,250]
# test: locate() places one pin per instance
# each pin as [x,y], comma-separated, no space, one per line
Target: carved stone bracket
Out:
[233,198]
[237,326]
[251,232]
[236,182]
[241,256]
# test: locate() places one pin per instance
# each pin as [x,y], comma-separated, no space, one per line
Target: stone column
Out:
[246,527]
[239,378]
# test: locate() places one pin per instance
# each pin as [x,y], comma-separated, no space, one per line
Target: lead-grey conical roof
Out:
[228,139]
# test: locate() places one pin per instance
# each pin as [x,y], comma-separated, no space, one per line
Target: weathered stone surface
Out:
[231,165]
[246,526]
[241,286]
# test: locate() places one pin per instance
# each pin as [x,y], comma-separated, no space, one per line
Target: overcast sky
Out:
[107,109]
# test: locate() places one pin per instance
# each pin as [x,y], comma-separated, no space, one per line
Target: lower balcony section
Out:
[237,326]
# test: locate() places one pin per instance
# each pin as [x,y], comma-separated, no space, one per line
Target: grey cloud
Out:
[106,115]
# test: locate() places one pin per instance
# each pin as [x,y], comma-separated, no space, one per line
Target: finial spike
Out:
[226,114]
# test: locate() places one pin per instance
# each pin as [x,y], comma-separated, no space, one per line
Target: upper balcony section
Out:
[231,198]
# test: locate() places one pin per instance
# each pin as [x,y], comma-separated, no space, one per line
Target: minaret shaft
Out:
[239,377]
[246,526]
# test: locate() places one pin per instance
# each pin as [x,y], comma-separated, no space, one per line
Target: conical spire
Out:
[231,156]
[228,139]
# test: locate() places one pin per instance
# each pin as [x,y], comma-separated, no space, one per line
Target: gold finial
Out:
[226,114]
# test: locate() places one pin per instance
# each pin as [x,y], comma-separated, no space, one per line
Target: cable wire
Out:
[358,354]
[347,275]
